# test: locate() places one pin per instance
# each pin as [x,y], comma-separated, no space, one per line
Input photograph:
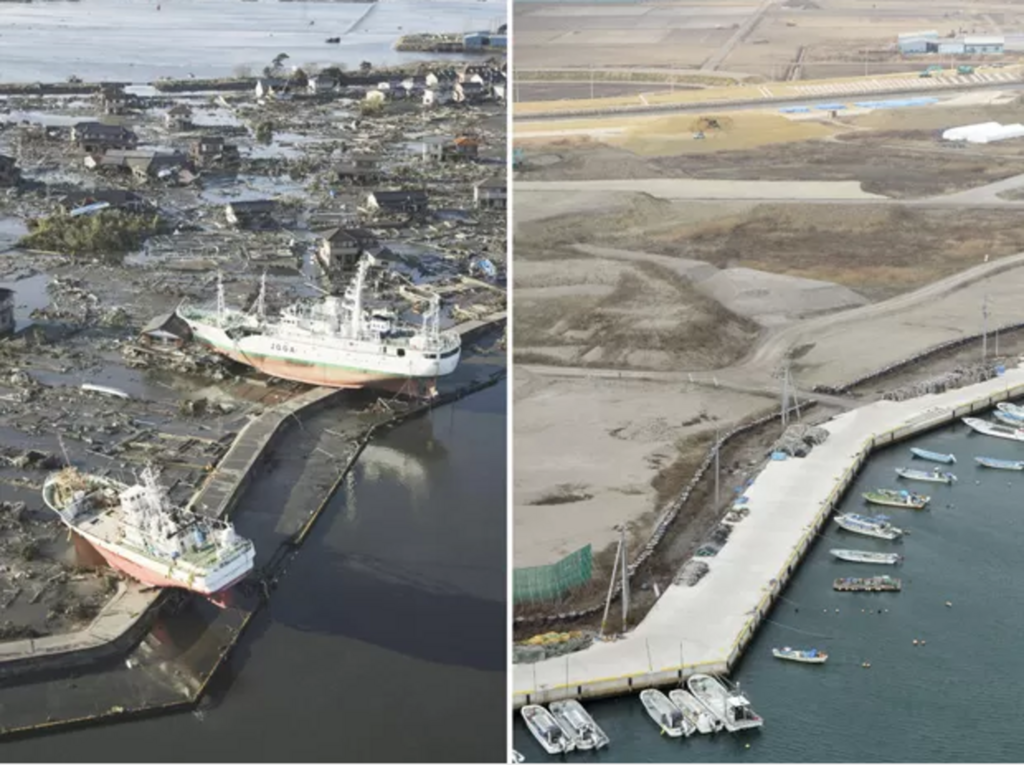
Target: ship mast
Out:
[220,297]
[357,298]
[261,298]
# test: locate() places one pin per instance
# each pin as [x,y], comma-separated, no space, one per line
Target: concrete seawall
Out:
[707,627]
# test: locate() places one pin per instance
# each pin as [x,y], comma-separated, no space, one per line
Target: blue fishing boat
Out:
[924,454]
[991,462]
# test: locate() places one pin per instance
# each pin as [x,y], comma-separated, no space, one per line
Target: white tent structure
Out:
[984,132]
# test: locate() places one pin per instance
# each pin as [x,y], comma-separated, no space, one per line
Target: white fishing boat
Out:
[1012,410]
[578,724]
[546,730]
[991,462]
[995,429]
[863,556]
[892,498]
[933,456]
[729,706]
[869,526]
[935,475]
[336,342]
[665,714]
[810,656]
[1008,419]
[141,532]
[694,711]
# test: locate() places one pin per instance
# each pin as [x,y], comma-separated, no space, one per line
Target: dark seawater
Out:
[955,699]
[385,640]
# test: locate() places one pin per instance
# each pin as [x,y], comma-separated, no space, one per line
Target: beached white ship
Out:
[869,526]
[729,706]
[864,556]
[139,531]
[935,475]
[809,656]
[578,724]
[665,714]
[546,730]
[994,429]
[694,711]
[333,342]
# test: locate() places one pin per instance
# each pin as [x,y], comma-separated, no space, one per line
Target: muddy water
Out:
[391,617]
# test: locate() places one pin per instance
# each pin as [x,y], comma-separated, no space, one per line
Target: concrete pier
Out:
[705,628]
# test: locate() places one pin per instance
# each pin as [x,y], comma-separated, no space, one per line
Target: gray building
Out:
[913,45]
[951,47]
[990,45]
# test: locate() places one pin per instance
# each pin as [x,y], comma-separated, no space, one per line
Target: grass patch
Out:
[564,494]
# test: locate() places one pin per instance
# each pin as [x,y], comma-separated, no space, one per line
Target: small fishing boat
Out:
[863,556]
[695,712]
[546,730]
[933,456]
[578,724]
[994,429]
[729,706]
[665,714]
[991,462]
[869,526]
[935,475]
[1008,419]
[1012,410]
[893,498]
[867,584]
[810,656]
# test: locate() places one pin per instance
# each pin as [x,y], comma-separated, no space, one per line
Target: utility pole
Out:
[591,82]
[625,577]
[984,328]
[785,399]
[718,502]
[611,587]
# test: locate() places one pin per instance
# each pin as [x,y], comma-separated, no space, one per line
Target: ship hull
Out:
[310,364]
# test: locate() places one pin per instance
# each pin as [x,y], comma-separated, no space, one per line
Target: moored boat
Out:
[729,706]
[665,714]
[578,724]
[1012,410]
[546,730]
[991,462]
[139,531]
[924,454]
[935,475]
[864,556]
[869,526]
[892,498]
[1008,419]
[867,584]
[809,656]
[995,429]
[694,711]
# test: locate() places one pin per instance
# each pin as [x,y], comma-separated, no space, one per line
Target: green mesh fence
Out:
[553,581]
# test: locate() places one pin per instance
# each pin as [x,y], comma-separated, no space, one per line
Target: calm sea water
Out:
[143,40]
[952,700]
[385,640]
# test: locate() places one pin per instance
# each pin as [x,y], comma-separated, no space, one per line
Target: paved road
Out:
[745,29]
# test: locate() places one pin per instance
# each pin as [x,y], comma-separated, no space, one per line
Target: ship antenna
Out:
[261,299]
[357,298]
[60,440]
[220,296]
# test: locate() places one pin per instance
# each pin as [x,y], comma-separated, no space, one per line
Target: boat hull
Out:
[798,659]
[999,464]
[995,430]
[851,556]
[924,454]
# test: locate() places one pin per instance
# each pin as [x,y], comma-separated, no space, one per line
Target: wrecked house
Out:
[6,311]
[360,168]
[142,163]
[254,213]
[437,96]
[321,83]
[269,87]
[98,137]
[165,332]
[491,193]
[10,175]
[470,92]
[178,117]
[410,201]
[115,199]
[113,99]
[435,148]
[341,248]
[210,150]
